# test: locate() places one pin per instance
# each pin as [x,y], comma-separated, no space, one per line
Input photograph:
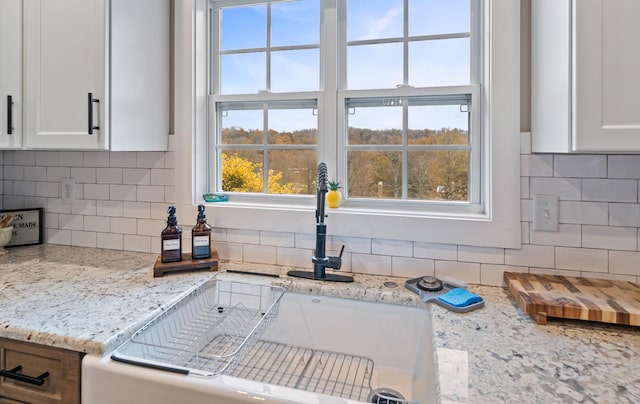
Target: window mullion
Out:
[328,128]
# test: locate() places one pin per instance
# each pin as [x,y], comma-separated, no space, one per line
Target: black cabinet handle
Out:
[13,374]
[90,102]
[9,115]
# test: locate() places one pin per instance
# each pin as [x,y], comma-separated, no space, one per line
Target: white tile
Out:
[51,220]
[169,194]
[293,257]
[435,251]
[412,267]
[624,214]
[26,188]
[485,255]
[109,208]
[581,165]
[243,236]
[84,207]
[137,176]
[530,255]
[35,201]
[572,212]
[71,222]
[624,167]
[57,173]
[169,159]
[567,189]
[351,244]
[278,239]
[137,243]
[607,190]
[493,275]
[612,238]
[158,210]
[123,225]
[228,251]
[568,235]
[7,187]
[96,191]
[96,159]
[218,234]
[85,175]
[57,236]
[24,157]
[260,254]
[371,264]
[156,243]
[13,172]
[122,159]
[140,210]
[150,160]
[55,205]
[13,202]
[526,210]
[525,142]
[110,241]
[308,241]
[398,248]
[96,224]
[624,263]
[83,238]
[71,158]
[524,188]
[536,165]
[151,227]
[583,259]
[47,158]
[524,230]
[462,271]
[34,173]
[162,176]
[122,192]
[47,189]
[109,175]
[150,193]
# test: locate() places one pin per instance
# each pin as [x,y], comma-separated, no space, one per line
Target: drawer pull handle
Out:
[9,115]
[13,374]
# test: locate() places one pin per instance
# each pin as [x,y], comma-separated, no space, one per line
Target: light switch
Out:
[545,212]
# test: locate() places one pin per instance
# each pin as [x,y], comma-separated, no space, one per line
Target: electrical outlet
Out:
[545,212]
[68,190]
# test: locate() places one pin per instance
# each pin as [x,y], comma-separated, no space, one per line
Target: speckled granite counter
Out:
[91,300]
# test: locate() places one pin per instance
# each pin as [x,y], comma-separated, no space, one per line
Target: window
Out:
[433,171]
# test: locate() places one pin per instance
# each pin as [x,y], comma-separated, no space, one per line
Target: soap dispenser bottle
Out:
[201,236]
[171,238]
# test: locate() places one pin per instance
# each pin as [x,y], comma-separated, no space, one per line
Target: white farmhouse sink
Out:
[316,350]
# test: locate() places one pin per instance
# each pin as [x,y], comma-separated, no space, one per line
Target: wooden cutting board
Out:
[600,300]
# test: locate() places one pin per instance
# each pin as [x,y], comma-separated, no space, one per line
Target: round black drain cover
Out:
[386,396]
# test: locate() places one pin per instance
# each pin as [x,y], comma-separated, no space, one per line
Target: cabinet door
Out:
[607,78]
[64,57]
[10,74]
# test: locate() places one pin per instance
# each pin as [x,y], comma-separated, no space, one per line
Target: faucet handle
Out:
[336,262]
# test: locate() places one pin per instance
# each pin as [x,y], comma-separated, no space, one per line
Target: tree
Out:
[240,175]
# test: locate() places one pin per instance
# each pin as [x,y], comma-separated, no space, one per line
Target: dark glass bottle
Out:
[201,236]
[171,238]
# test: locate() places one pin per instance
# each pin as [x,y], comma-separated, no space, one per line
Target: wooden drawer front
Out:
[62,385]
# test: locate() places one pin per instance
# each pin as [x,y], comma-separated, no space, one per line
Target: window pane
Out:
[292,171]
[242,127]
[243,73]
[438,175]
[296,70]
[429,17]
[295,23]
[438,124]
[374,66]
[243,27]
[444,62]
[374,19]
[375,126]
[242,170]
[293,126]
[374,174]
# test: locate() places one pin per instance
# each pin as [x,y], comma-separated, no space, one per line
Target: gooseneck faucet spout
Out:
[320,259]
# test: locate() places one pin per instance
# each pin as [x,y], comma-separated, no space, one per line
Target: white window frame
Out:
[497,225]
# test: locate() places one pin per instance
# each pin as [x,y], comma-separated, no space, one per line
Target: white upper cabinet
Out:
[96,74]
[585,76]
[10,74]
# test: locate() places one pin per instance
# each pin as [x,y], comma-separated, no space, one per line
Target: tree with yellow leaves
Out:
[240,175]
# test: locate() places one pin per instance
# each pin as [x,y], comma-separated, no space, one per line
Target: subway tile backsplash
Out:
[121,200]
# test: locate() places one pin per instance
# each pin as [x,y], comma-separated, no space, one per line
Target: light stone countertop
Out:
[92,300]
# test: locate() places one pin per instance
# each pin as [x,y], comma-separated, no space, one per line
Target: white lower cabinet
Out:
[584,76]
[96,74]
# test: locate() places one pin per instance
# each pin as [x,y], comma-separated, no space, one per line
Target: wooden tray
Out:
[187,264]
[606,301]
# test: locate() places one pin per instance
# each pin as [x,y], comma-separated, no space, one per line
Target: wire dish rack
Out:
[206,333]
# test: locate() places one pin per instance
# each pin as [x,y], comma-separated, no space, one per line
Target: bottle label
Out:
[173,244]
[200,241]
